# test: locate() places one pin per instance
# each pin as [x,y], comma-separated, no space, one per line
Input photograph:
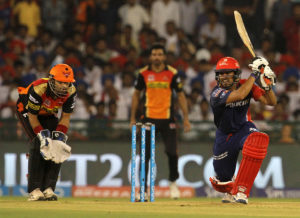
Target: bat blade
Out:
[243,32]
[245,37]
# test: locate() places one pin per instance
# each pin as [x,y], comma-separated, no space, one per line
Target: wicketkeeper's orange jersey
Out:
[158,89]
[38,99]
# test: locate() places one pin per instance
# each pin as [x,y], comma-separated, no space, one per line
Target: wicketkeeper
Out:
[230,101]
[37,109]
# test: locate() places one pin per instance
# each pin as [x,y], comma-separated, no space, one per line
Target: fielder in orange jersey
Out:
[230,101]
[159,82]
[37,109]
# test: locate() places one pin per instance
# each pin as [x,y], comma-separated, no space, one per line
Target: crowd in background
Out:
[107,41]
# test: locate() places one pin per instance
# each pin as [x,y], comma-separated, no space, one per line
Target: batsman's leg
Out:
[254,152]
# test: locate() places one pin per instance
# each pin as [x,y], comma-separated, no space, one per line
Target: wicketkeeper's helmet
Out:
[62,73]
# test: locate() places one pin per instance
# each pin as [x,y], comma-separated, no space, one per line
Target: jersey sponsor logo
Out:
[223,93]
[50,110]
[151,77]
[165,78]
[238,103]
[160,85]
[33,106]
[47,102]
[31,98]
[217,92]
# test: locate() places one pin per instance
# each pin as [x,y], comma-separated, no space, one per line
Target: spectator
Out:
[54,16]
[5,13]
[22,34]
[282,9]
[189,11]
[127,39]
[103,52]
[292,33]
[163,11]
[171,38]
[28,13]
[213,29]
[203,16]
[193,101]
[124,100]
[133,14]
[106,14]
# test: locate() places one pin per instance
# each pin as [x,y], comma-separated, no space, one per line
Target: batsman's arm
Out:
[134,106]
[269,98]
[241,93]
[184,108]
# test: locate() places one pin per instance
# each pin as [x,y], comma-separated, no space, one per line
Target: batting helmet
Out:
[226,65]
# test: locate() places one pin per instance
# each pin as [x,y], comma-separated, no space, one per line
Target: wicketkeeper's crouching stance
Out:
[230,101]
[37,110]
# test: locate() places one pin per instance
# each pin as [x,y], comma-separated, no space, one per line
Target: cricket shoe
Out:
[50,195]
[174,190]
[241,198]
[36,195]
[138,197]
[228,198]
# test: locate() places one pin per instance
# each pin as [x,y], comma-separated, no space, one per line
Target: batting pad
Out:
[254,151]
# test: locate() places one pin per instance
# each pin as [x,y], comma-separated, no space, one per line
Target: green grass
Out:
[197,207]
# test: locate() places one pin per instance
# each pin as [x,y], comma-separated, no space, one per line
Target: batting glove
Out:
[269,74]
[257,63]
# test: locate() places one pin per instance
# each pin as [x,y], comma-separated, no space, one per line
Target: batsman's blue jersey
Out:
[229,118]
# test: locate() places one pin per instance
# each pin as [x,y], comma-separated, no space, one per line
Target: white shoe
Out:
[241,198]
[138,197]
[50,195]
[174,190]
[36,195]
[228,198]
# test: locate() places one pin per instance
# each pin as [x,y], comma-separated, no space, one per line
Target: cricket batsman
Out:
[37,110]
[230,101]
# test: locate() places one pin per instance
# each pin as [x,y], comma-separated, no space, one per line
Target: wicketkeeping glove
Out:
[43,136]
[57,135]
[45,141]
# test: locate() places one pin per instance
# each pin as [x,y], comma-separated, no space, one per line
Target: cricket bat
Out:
[245,37]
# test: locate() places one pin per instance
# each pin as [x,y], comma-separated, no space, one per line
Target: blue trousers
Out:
[226,150]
